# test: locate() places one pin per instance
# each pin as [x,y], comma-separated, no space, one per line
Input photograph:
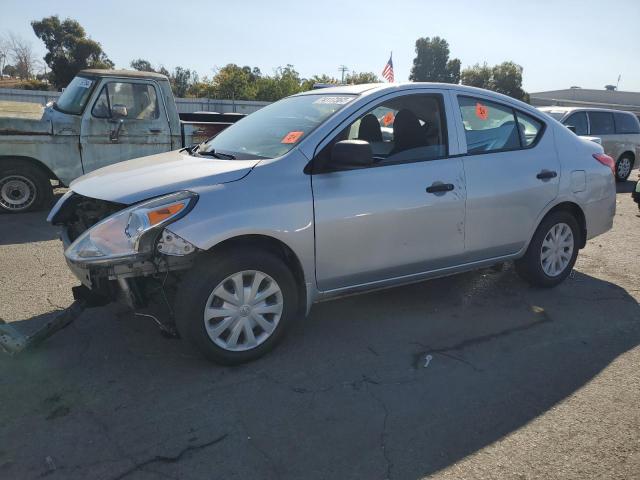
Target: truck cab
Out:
[102,117]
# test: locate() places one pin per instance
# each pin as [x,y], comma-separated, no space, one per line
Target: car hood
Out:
[135,180]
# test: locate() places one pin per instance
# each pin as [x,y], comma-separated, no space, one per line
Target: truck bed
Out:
[200,126]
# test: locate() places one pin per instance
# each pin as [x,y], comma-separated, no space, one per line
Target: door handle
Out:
[440,187]
[546,174]
[155,130]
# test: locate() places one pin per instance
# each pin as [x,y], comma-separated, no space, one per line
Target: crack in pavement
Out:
[383,433]
[169,459]
[446,351]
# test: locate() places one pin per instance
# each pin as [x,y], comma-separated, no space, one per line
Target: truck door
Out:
[127,120]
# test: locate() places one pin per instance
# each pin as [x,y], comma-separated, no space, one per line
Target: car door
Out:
[402,215]
[512,173]
[127,120]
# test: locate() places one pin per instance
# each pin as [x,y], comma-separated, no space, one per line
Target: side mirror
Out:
[350,155]
[119,111]
[571,127]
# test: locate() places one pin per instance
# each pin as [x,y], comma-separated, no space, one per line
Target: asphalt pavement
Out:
[472,376]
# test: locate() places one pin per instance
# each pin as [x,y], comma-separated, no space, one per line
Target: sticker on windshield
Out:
[292,137]
[327,100]
[481,111]
[84,82]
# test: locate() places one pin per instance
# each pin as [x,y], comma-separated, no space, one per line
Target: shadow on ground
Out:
[29,227]
[346,395]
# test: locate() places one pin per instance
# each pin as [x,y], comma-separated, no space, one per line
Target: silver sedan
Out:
[332,192]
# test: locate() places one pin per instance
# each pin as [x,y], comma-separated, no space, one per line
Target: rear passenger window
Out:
[530,128]
[601,123]
[579,121]
[488,126]
[626,123]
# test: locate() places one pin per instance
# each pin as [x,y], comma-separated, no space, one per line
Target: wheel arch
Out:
[578,214]
[274,246]
[31,161]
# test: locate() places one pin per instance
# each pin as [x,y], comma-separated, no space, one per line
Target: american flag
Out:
[387,71]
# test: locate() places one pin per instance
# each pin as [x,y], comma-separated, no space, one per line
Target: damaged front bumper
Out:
[124,281]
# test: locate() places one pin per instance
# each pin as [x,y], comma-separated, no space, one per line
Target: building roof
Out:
[123,73]
[585,97]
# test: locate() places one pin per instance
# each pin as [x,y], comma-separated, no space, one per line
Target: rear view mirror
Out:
[350,155]
[571,127]
[119,111]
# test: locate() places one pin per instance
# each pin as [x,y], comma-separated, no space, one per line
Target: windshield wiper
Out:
[214,154]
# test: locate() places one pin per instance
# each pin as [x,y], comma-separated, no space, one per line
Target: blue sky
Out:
[559,43]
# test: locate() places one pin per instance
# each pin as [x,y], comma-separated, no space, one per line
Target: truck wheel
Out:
[624,165]
[552,252]
[23,187]
[235,307]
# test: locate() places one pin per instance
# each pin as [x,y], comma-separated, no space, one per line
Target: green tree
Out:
[69,49]
[10,70]
[235,83]
[181,80]
[504,78]
[308,83]
[507,79]
[142,65]
[432,63]
[363,77]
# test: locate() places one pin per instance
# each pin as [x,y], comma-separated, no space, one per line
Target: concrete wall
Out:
[185,105]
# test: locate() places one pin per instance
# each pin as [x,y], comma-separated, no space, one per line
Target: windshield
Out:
[75,96]
[275,129]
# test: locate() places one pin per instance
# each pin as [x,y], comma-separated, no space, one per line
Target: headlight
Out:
[131,232]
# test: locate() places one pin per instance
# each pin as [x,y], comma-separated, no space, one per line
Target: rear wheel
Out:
[552,252]
[623,167]
[23,187]
[235,307]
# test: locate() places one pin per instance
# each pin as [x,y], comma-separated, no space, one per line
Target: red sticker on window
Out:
[481,111]
[388,119]
[292,137]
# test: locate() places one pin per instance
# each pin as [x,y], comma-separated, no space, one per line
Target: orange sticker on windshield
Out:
[292,137]
[481,111]
[388,119]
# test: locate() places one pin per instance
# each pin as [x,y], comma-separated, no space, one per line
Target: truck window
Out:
[579,121]
[626,123]
[601,123]
[75,96]
[139,99]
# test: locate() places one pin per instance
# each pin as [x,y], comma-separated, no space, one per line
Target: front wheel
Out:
[235,307]
[552,252]
[23,187]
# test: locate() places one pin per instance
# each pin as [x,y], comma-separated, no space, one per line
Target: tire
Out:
[215,275]
[538,272]
[23,187]
[624,165]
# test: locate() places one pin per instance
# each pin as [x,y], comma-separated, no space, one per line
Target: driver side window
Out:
[404,129]
[138,99]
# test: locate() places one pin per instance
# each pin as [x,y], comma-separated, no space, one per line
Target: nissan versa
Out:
[330,192]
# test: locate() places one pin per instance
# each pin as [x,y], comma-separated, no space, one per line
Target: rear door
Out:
[127,120]
[402,215]
[512,173]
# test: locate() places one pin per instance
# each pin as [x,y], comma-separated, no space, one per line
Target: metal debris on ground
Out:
[427,360]
[13,342]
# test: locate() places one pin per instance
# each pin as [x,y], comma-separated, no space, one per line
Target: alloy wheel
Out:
[243,310]
[557,249]
[624,167]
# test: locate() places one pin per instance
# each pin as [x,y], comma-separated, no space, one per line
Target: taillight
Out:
[606,160]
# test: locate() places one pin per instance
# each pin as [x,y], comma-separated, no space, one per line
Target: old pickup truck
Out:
[102,117]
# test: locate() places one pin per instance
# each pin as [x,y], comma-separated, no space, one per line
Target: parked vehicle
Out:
[102,117]
[306,200]
[618,131]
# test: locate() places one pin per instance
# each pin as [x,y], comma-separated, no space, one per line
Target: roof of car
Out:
[122,73]
[553,108]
